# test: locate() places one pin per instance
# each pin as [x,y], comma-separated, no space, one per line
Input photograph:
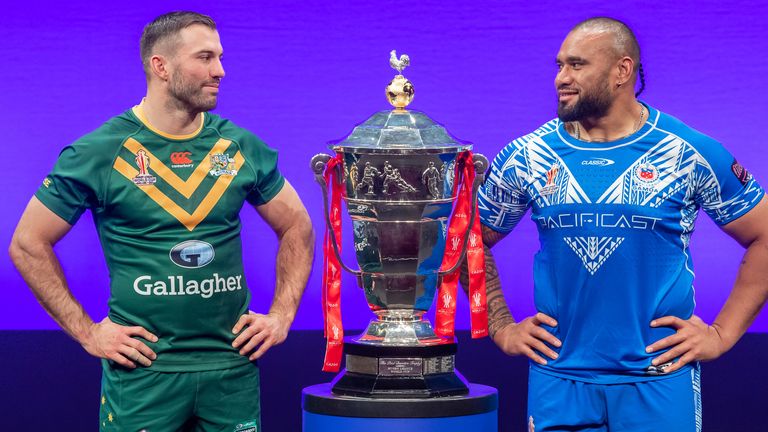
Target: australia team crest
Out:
[222,164]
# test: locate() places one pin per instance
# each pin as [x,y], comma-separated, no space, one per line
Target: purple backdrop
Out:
[300,75]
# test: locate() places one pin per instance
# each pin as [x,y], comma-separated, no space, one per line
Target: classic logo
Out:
[181,159]
[192,254]
[222,164]
[143,178]
[47,182]
[597,162]
[658,370]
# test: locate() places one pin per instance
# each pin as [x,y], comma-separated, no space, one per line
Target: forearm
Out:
[294,263]
[42,272]
[747,297]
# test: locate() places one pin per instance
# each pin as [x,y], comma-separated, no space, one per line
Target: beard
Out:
[593,103]
[189,96]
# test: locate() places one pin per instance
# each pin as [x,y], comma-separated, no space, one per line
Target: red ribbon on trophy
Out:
[331,297]
[457,230]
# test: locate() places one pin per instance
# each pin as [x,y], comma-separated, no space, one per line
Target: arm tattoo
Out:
[498,312]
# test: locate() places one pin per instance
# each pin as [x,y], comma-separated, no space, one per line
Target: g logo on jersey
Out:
[192,254]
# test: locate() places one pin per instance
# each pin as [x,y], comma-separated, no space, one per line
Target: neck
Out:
[164,115]
[622,119]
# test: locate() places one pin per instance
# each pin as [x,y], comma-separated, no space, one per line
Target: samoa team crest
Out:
[647,173]
[222,164]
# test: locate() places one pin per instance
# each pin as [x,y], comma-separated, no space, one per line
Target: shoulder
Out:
[699,141]
[518,144]
[103,142]
[248,142]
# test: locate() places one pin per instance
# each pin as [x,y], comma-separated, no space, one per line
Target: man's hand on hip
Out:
[526,337]
[694,340]
[259,330]
[118,343]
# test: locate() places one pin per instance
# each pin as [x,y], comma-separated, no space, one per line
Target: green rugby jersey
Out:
[167,208]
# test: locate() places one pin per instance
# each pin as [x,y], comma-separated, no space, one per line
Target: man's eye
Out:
[576,65]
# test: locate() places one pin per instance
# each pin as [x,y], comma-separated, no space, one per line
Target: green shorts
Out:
[142,400]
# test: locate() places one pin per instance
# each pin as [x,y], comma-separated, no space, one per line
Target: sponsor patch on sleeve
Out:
[740,172]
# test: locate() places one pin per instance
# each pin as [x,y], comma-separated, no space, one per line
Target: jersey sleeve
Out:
[725,189]
[269,179]
[72,186]
[502,199]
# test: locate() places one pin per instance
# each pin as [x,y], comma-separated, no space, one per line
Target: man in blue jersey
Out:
[614,187]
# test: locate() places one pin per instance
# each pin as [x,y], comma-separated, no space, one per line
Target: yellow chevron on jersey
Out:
[206,205]
[165,225]
[185,187]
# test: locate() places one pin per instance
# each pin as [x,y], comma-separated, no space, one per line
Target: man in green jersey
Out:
[165,182]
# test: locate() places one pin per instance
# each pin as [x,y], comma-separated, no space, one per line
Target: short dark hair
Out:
[625,41]
[168,26]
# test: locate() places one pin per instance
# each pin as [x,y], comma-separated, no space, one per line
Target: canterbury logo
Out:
[181,158]
[184,187]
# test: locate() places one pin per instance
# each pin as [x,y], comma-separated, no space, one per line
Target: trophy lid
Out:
[400,130]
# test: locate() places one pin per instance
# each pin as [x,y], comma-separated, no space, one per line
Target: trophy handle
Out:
[318,164]
[481,165]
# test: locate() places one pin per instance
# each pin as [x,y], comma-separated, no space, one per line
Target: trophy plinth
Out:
[407,371]
[397,174]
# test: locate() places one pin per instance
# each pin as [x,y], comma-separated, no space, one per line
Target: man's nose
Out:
[563,77]
[218,69]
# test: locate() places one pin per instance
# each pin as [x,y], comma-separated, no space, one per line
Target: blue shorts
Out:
[665,405]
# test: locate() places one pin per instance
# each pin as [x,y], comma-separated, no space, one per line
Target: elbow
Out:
[307,230]
[17,249]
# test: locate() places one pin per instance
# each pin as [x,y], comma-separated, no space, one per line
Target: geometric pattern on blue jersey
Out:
[549,174]
[674,160]
[614,223]
[593,251]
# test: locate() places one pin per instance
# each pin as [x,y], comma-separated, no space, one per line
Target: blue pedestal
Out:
[325,412]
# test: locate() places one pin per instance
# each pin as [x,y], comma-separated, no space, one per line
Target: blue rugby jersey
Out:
[614,222]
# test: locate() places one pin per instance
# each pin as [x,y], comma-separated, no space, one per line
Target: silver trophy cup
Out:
[398,181]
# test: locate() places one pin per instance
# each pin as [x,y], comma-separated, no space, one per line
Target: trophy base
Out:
[378,371]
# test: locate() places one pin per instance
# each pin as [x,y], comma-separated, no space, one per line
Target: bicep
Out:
[750,227]
[39,224]
[284,211]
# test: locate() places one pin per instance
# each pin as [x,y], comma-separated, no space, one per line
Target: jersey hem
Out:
[745,210]
[614,378]
[197,366]
[65,213]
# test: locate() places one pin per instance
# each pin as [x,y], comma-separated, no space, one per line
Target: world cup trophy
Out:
[411,192]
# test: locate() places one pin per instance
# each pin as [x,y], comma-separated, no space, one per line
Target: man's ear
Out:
[159,67]
[625,69]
